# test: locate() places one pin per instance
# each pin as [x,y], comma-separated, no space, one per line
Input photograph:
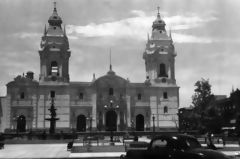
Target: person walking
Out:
[210,144]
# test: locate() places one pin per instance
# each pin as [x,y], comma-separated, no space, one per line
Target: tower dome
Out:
[158,24]
[54,19]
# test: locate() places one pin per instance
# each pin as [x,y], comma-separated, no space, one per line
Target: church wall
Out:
[152,101]
[4,117]
[61,103]
[93,99]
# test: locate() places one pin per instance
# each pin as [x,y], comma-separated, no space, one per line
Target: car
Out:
[174,147]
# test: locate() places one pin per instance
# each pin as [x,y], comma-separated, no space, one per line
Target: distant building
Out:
[186,120]
[229,109]
[106,103]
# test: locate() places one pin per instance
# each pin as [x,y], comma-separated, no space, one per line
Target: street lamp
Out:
[113,108]
[153,118]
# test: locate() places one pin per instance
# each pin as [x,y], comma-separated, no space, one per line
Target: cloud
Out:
[24,35]
[184,38]
[138,26]
[180,22]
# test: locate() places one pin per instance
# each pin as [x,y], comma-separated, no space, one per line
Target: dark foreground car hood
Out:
[209,154]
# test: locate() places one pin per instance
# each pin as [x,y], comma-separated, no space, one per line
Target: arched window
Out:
[139,96]
[165,95]
[162,70]
[52,94]
[22,95]
[81,96]
[110,91]
[54,68]
[165,109]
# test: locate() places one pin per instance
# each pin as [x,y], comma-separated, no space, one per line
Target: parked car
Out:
[174,147]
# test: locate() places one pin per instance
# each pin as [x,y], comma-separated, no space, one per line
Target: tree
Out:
[202,95]
[201,101]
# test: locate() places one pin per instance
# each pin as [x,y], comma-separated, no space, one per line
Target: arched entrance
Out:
[111,121]
[81,123]
[139,122]
[21,123]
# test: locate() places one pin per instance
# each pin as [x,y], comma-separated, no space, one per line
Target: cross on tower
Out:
[54,4]
[110,57]
[158,8]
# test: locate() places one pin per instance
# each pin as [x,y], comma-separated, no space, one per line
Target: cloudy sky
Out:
[205,32]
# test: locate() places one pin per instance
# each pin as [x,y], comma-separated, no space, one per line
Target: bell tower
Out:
[54,52]
[159,55]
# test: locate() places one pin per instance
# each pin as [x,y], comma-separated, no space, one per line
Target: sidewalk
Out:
[34,151]
[104,150]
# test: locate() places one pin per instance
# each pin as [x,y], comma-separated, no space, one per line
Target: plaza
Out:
[104,150]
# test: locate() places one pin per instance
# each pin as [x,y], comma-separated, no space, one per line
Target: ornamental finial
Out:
[158,14]
[55,6]
[158,8]
[110,54]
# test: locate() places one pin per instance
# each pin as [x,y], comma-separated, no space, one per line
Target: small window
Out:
[165,109]
[165,95]
[110,91]
[54,28]
[81,96]
[162,70]
[139,96]
[22,95]
[52,93]
[54,68]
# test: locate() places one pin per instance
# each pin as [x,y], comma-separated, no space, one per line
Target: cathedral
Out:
[107,103]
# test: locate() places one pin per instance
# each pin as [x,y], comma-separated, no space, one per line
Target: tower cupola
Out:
[158,24]
[54,52]
[159,55]
[54,19]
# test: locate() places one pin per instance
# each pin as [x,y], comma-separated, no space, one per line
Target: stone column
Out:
[118,120]
[103,114]
[153,107]
[128,111]
[94,109]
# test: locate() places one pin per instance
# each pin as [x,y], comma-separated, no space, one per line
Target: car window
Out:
[192,143]
[159,143]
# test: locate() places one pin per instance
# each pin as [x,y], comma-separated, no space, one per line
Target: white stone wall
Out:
[41,111]
[5,123]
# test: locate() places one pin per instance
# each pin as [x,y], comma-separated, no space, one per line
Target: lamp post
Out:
[113,108]
[153,118]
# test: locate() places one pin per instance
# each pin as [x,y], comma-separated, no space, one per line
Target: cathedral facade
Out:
[109,102]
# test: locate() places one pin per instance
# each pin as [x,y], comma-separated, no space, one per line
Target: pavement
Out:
[103,150]
[34,151]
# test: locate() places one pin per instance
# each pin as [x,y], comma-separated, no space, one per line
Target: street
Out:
[102,151]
